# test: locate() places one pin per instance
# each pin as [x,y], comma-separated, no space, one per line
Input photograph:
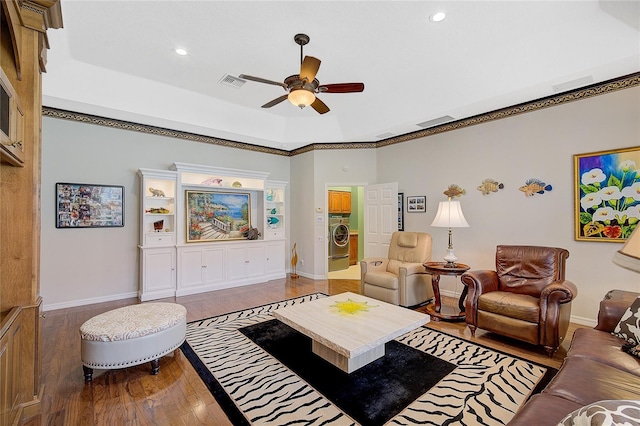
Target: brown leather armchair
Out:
[526,298]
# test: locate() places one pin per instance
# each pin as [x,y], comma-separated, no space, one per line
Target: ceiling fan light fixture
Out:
[301,97]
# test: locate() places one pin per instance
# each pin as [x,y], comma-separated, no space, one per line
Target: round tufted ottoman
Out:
[132,335]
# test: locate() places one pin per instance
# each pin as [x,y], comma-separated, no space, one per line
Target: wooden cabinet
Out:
[11,124]
[158,273]
[201,269]
[353,248]
[274,265]
[172,265]
[158,224]
[23,51]
[246,262]
[10,392]
[340,202]
[213,266]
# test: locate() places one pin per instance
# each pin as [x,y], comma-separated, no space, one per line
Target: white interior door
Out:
[380,218]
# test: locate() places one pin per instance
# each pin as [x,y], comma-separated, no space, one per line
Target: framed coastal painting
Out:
[607,194]
[217,215]
[82,205]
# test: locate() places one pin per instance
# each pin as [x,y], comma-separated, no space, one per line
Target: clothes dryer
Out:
[338,243]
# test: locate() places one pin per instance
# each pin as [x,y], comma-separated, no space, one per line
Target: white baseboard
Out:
[73,303]
[574,319]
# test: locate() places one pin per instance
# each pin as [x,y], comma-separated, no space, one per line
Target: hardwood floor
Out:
[177,396]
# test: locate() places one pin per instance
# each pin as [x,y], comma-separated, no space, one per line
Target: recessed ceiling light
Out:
[437,17]
[181,52]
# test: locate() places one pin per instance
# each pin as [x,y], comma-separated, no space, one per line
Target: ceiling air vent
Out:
[436,121]
[229,80]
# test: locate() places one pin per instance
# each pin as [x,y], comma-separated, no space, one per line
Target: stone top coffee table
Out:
[349,330]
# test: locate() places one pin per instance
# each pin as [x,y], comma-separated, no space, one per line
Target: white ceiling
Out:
[116,59]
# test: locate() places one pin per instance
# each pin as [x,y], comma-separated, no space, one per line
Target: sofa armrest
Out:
[373,264]
[477,283]
[413,268]
[612,307]
[559,292]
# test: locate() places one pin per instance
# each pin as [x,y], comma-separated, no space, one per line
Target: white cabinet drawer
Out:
[159,239]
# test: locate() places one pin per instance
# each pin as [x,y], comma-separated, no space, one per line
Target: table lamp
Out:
[450,216]
[629,255]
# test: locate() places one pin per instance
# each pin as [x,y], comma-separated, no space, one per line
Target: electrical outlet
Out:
[301,262]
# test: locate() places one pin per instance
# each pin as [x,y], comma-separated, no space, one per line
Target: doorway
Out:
[345,227]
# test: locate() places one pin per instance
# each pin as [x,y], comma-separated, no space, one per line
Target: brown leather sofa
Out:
[595,369]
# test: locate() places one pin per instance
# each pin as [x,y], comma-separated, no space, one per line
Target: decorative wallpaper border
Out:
[620,83]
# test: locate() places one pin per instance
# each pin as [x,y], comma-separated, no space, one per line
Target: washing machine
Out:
[338,243]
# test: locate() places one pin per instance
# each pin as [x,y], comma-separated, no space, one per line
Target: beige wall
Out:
[540,145]
[87,266]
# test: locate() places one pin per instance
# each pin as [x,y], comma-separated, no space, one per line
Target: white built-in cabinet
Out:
[175,264]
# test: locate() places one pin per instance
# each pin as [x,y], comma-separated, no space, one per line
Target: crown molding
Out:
[609,86]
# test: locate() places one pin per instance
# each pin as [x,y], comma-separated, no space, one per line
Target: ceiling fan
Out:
[302,88]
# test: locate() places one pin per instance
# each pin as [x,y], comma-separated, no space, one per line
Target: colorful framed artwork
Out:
[400,211]
[607,194]
[416,204]
[217,216]
[81,205]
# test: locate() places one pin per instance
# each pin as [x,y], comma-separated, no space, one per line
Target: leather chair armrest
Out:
[477,283]
[412,268]
[559,292]
[482,281]
[373,264]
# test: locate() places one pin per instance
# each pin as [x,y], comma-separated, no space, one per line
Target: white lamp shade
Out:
[629,255]
[449,215]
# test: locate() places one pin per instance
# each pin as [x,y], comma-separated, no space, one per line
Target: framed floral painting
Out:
[607,194]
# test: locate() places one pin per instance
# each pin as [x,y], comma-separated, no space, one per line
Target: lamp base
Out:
[451,259]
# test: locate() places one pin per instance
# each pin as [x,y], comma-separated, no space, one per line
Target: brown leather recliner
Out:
[526,298]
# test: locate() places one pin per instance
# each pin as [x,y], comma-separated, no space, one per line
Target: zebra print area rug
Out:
[254,387]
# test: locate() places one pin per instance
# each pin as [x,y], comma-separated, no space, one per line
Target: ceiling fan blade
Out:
[276,101]
[320,106]
[341,88]
[309,68]
[262,80]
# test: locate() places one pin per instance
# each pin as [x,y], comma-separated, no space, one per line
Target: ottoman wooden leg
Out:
[88,373]
[155,366]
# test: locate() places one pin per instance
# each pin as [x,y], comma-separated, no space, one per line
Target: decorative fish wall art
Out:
[454,191]
[535,186]
[489,185]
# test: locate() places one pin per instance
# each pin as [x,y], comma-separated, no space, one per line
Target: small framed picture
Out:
[416,204]
[400,211]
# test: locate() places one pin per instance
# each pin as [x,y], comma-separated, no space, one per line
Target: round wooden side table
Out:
[437,310]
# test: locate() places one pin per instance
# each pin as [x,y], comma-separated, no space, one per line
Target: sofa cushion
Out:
[512,305]
[602,347]
[586,381]
[632,349]
[543,410]
[608,412]
[628,327]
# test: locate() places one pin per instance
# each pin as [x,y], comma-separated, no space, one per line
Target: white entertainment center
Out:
[174,261]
